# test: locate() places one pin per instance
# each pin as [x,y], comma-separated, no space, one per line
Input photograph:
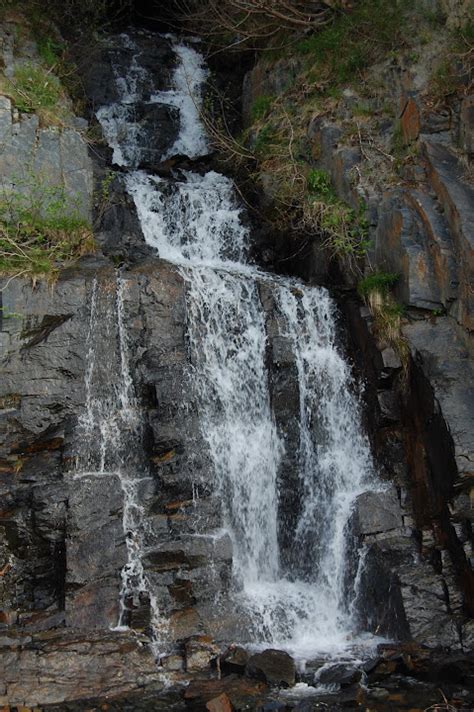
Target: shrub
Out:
[319,183]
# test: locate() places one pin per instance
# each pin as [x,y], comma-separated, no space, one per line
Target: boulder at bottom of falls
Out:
[273,666]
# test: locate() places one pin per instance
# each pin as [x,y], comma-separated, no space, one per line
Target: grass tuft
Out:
[40,230]
[260,107]
[381,282]
[35,88]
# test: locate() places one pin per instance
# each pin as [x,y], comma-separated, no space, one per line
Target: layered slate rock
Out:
[62,537]
[444,352]
[416,564]
[447,176]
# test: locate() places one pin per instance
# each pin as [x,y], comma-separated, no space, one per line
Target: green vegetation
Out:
[381,282]
[40,229]
[361,109]
[50,51]
[387,313]
[445,78]
[35,88]
[93,14]
[454,63]
[353,41]
[260,107]
[264,140]
[320,183]
[345,229]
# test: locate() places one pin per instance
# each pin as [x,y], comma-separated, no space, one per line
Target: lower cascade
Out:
[286,485]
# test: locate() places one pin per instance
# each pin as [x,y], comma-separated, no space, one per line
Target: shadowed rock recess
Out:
[197,509]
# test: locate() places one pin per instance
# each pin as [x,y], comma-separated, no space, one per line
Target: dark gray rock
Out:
[414,241]
[444,357]
[377,512]
[339,674]
[273,666]
[456,195]
[234,660]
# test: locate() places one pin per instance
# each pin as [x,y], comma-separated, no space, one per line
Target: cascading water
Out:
[195,222]
[110,436]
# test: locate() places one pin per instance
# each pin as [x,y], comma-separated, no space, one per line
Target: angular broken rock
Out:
[273,666]
[200,650]
[234,660]
[220,704]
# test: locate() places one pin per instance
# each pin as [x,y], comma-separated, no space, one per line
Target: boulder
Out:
[199,652]
[340,674]
[273,666]
[376,512]
[234,660]
[242,692]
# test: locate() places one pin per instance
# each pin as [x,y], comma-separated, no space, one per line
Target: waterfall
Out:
[195,221]
[110,437]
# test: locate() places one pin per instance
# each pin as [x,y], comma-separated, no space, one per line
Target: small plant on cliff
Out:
[40,229]
[260,107]
[50,51]
[345,230]
[35,88]
[319,183]
[375,290]
[381,282]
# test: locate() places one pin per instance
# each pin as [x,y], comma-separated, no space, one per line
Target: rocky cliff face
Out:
[66,537]
[420,229]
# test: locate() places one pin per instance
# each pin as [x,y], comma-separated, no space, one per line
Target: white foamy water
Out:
[186,95]
[110,437]
[196,222]
[120,120]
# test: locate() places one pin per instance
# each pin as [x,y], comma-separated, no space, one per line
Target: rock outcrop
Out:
[38,161]
[417,578]
[65,532]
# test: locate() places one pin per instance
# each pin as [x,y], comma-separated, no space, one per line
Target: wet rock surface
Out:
[273,666]
[59,591]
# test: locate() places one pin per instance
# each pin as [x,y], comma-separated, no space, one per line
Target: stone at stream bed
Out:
[200,650]
[220,704]
[274,666]
[242,693]
[339,674]
[234,660]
